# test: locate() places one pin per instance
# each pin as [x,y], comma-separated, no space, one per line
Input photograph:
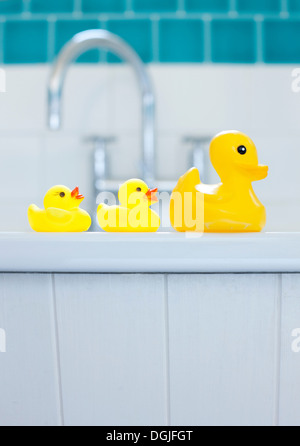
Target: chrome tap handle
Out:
[200,147]
[99,144]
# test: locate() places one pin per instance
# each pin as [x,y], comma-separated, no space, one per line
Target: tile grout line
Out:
[284,6]
[259,41]
[129,5]
[51,39]
[278,326]
[233,6]
[2,22]
[103,54]
[167,351]
[155,40]
[57,351]
[77,6]
[181,5]
[26,6]
[208,41]
[143,16]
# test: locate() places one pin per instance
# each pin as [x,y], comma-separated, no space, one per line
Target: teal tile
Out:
[233,41]
[181,41]
[103,5]
[294,5]
[138,33]
[11,6]
[259,6]
[66,29]
[50,6]
[154,5]
[207,5]
[25,41]
[281,41]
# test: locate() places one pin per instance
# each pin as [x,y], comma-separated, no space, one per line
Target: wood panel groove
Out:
[277,369]
[57,351]
[167,351]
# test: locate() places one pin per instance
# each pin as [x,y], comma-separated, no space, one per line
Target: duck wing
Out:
[215,194]
[58,215]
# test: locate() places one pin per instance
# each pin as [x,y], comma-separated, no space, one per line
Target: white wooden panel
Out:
[28,370]
[112,347]
[222,349]
[289,412]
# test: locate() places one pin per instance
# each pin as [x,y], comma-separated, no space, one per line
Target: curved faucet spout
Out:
[88,40]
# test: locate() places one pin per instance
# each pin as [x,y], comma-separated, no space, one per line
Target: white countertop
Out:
[149,253]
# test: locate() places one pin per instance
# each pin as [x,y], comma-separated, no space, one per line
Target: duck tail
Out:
[189,180]
[33,212]
[33,209]
[102,206]
[186,184]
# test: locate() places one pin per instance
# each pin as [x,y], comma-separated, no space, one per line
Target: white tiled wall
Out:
[191,100]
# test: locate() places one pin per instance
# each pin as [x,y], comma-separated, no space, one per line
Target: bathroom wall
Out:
[219,31]
[191,100]
[194,96]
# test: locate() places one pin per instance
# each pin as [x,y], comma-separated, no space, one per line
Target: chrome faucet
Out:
[78,45]
[199,151]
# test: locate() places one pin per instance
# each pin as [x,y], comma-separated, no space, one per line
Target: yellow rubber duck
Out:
[61,213]
[133,214]
[230,206]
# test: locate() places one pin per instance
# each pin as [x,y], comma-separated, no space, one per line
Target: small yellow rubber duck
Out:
[61,213]
[134,214]
[230,206]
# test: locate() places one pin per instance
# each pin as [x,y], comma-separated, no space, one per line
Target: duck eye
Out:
[139,189]
[62,194]
[242,150]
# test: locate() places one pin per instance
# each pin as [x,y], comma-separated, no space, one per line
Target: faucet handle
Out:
[99,145]
[99,140]
[200,146]
[196,140]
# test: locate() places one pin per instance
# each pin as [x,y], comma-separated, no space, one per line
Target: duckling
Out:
[230,206]
[61,213]
[133,214]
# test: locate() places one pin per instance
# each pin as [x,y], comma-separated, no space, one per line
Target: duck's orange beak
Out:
[255,173]
[151,195]
[75,194]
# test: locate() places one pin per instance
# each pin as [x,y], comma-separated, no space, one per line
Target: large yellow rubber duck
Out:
[134,214]
[61,213]
[230,206]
